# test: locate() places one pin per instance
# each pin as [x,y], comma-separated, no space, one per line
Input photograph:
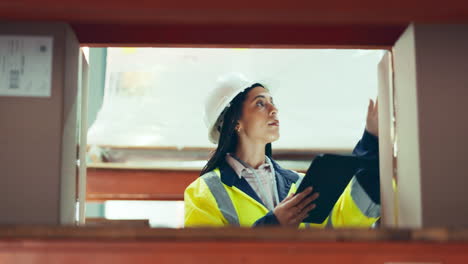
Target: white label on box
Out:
[26,66]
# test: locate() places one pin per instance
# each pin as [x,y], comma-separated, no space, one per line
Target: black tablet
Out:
[329,175]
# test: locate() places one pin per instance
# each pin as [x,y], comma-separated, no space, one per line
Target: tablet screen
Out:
[329,175]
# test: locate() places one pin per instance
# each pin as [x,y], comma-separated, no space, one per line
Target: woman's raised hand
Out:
[372,121]
[295,208]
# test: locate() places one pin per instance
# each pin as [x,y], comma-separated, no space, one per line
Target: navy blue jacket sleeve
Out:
[267,220]
[368,147]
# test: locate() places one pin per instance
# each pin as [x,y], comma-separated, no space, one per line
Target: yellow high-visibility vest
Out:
[211,202]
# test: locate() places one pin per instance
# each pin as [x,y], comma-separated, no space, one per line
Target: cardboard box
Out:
[38,137]
[430,85]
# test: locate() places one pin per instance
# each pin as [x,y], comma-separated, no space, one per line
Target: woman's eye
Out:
[260,103]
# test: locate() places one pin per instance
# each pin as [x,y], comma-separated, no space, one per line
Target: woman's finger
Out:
[308,209]
[308,200]
[315,196]
[370,107]
[298,197]
[303,215]
[287,199]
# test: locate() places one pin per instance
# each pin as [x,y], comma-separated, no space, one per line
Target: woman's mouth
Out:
[274,123]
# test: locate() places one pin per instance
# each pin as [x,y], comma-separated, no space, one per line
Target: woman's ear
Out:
[238,127]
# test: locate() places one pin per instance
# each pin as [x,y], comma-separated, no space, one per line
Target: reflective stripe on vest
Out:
[363,201]
[330,222]
[222,198]
[298,182]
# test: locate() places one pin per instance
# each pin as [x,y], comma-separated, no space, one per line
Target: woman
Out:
[242,185]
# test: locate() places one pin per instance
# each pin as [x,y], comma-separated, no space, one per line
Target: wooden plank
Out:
[108,222]
[248,36]
[271,234]
[230,245]
[113,181]
[244,23]
[246,12]
[103,252]
[129,184]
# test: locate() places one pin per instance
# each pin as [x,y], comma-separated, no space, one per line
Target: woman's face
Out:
[259,121]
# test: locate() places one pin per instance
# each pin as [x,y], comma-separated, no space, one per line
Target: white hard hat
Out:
[218,99]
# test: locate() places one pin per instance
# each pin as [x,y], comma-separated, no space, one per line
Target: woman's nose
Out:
[273,110]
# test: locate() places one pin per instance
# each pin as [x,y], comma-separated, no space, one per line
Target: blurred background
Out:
[147,139]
